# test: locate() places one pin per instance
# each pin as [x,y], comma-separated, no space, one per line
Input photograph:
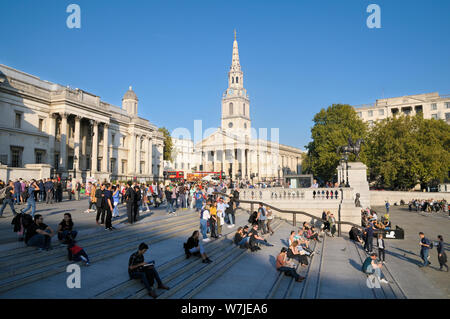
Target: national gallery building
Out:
[48,129]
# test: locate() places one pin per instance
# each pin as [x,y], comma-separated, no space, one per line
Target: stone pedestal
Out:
[357,179]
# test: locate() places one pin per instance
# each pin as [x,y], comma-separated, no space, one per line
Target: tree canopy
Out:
[332,127]
[168,144]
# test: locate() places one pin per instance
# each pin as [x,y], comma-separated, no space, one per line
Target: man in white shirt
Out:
[221,207]
[315,184]
[204,217]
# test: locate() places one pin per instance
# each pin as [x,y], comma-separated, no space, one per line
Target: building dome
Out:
[130,95]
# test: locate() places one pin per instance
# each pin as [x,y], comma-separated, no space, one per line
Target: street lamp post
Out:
[346,169]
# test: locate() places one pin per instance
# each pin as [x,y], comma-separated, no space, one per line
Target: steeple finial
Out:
[130,88]
[234,34]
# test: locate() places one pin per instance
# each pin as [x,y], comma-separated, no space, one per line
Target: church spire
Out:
[235,66]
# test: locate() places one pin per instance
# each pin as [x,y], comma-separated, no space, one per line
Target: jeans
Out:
[199,248]
[50,196]
[259,241]
[116,209]
[368,245]
[203,224]
[77,257]
[244,241]
[11,205]
[17,198]
[40,241]
[381,254]
[147,275]
[108,223]
[370,270]
[289,272]
[63,235]
[231,218]
[30,204]
[262,225]
[41,195]
[424,255]
[169,205]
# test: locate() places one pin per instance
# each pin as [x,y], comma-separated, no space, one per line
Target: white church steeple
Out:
[235,101]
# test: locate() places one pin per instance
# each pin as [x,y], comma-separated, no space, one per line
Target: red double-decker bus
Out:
[196,176]
[175,175]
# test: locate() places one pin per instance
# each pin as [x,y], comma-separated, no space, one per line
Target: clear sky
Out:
[297,56]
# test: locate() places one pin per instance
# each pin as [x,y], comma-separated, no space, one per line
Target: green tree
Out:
[332,127]
[168,144]
[403,151]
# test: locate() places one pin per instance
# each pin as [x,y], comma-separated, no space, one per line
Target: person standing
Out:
[213,219]
[269,216]
[101,205]
[49,190]
[442,256]
[368,244]
[31,203]
[77,190]
[116,193]
[261,219]
[425,245]
[381,248]
[59,195]
[221,207]
[129,199]
[204,217]
[230,211]
[9,199]
[41,190]
[332,222]
[136,202]
[69,189]
[108,206]
[387,205]
[17,191]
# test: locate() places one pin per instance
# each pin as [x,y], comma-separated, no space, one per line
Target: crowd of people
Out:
[430,205]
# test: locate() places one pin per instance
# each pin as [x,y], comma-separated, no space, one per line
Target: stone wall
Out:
[31,171]
[378,198]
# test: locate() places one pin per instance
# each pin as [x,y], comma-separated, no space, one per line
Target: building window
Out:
[231,108]
[4,159]
[88,163]
[433,106]
[142,145]
[232,79]
[124,164]
[16,156]
[370,113]
[113,136]
[447,105]
[112,165]
[141,168]
[243,109]
[41,125]
[99,164]
[18,121]
[380,112]
[123,141]
[39,156]
[434,116]
[237,80]
[447,117]
[56,161]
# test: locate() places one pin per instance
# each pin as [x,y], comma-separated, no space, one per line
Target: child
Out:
[76,253]
[381,247]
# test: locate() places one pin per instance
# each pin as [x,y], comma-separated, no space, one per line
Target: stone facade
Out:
[75,132]
[233,148]
[184,158]
[431,105]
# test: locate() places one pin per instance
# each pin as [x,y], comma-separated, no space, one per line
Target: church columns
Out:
[138,154]
[132,154]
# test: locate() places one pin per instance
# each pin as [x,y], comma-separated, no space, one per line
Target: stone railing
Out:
[306,194]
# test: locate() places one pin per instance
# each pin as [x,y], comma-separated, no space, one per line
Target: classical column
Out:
[150,156]
[161,158]
[76,140]
[146,154]
[63,143]
[105,159]
[94,155]
[51,133]
[138,154]
[132,153]
[244,164]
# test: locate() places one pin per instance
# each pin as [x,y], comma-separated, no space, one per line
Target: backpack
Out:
[252,217]
[3,193]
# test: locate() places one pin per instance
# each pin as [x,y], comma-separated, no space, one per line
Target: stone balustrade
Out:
[306,194]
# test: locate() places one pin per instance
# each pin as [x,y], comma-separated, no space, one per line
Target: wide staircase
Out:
[333,271]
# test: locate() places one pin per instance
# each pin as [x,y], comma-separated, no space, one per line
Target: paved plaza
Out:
[334,272]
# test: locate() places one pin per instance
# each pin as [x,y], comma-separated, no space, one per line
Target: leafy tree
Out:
[168,144]
[331,129]
[403,151]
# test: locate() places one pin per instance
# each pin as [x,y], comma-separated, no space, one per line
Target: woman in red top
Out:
[76,253]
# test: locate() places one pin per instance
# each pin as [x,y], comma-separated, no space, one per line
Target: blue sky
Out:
[297,56]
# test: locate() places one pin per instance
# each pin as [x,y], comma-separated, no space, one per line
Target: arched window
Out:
[237,80]
[243,109]
[231,108]
[232,79]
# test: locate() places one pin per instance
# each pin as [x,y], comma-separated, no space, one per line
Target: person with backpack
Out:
[7,194]
[199,199]
[136,203]
[371,267]
[261,219]
[442,256]
[31,203]
[425,246]
[108,207]
[39,234]
[65,229]
[230,211]
[76,253]
[194,246]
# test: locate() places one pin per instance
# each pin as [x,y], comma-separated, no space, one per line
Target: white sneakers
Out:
[230,226]
[384,281]
[206,240]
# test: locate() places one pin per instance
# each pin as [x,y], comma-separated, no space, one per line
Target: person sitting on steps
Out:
[241,238]
[256,239]
[287,268]
[299,255]
[371,267]
[194,247]
[139,269]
